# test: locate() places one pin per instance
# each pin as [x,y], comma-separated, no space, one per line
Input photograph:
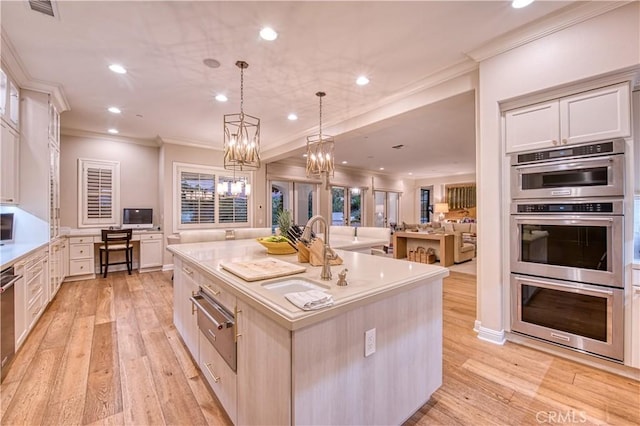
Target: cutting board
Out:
[262,269]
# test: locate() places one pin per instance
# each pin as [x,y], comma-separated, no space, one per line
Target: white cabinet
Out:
[185,285]
[31,292]
[220,376]
[9,150]
[598,114]
[56,265]
[81,256]
[150,251]
[9,100]
[54,190]
[635,319]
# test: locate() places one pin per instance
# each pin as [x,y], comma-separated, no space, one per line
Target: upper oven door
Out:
[586,177]
[576,248]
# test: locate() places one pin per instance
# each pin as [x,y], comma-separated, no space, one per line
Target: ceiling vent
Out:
[398,146]
[42,6]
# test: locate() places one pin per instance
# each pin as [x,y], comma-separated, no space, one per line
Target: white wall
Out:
[138,173]
[601,45]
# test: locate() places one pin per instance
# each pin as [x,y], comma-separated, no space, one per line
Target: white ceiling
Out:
[168,92]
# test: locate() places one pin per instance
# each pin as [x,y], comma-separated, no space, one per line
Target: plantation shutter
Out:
[197,197]
[99,199]
[233,205]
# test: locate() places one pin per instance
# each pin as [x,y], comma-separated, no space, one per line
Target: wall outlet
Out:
[369,342]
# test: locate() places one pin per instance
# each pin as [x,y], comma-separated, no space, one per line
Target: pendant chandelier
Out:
[241,135]
[320,151]
[234,188]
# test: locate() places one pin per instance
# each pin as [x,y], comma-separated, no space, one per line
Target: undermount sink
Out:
[290,285]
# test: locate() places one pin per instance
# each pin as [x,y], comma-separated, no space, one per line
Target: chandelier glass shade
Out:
[320,150]
[233,188]
[241,135]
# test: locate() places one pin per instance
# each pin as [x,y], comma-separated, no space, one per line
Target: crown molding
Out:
[108,137]
[565,18]
[189,143]
[11,61]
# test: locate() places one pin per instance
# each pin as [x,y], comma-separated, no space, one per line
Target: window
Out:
[461,196]
[208,197]
[387,206]
[99,193]
[425,206]
[346,206]
[298,197]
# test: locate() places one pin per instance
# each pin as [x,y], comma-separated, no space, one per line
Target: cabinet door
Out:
[54,191]
[178,283]
[635,327]
[150,251]
[220,376]
[597,114]
[262,342]
[190,319]
[9,163]
[532,127]
[20,306]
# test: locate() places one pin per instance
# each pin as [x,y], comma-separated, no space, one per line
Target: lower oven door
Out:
[580,316]
[577,248]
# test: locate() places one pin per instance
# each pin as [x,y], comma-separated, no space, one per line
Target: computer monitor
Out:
[137,218]
[7,228]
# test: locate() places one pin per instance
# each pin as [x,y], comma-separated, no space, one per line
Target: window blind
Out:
[197,198]
[99,198]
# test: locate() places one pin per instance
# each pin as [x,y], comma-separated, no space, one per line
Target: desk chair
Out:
[116,240]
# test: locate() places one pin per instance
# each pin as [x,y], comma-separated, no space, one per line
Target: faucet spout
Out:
[327,252]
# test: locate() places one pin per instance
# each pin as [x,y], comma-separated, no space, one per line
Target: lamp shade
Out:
[441,208]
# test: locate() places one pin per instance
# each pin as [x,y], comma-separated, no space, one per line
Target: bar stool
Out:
[116,240]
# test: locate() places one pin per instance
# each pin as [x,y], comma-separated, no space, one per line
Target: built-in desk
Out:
[84,244]
[403,239]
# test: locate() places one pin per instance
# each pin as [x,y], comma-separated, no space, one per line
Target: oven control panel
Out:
[566,208]
[600,148]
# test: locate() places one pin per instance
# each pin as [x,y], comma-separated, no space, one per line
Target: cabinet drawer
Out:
[35,309]
[34,289]
[220,377]
[81,266]
[225,298]
[144,237]
[33,270]
[81,251]
[80,240]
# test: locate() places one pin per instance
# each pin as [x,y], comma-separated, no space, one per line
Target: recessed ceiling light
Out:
[114,110]
[113,131]
[221,98]
[362,81]
[304,155]
[381,168]
[344,162]
[118,69]
[211,63]
[268,33]
[519,4]
[292,117]
[410,173]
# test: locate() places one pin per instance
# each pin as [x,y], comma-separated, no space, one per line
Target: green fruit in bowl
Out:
[277,239]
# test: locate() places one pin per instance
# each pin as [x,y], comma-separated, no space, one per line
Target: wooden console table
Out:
[446,244]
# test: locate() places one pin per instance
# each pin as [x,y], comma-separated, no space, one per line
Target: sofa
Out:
[205,235]
[464,240]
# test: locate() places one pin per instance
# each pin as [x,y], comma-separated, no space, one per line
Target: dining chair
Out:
[116,240]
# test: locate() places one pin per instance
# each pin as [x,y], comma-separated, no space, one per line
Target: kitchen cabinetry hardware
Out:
[216,379]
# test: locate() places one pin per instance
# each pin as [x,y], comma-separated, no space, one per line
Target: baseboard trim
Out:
[168,267]
[489,335]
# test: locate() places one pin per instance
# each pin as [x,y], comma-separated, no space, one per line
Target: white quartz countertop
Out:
[370,278]
[12,253]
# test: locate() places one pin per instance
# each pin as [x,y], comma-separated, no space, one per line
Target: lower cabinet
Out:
[635,319]
[150,251]
[184,315]
[81,256]
[31,294]
[57,262]
[220,376]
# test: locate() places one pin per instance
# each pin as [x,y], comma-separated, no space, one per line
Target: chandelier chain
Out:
[241,88]
[320,118]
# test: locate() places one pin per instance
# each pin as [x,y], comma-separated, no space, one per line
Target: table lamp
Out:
[441,208]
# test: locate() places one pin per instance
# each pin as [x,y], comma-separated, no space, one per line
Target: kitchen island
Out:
[309,367]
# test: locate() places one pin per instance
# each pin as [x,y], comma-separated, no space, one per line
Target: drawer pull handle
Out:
[215,379]
[212,334]
[215,293]
[187,270]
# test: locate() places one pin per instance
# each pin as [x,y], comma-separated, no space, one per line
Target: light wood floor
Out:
[106,352]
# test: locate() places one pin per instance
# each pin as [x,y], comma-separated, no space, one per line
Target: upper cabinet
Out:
[585,117]
[9,150]
[9,100]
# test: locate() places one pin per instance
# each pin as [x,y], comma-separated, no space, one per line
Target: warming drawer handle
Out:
[219,325]
[216,379]
[10,284]
[589,290]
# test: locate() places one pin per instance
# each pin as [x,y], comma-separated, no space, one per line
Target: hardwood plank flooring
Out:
[105,352]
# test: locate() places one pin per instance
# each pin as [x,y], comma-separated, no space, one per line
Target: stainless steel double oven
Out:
[567,240]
